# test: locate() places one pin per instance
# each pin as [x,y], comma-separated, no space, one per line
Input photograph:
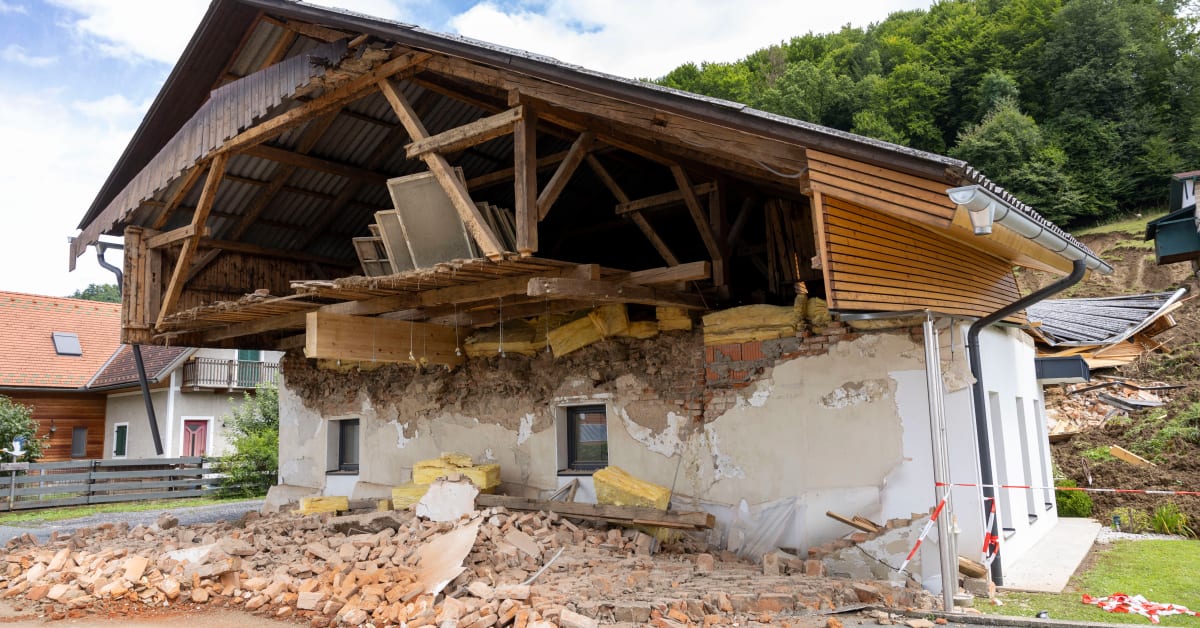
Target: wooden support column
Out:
[701,220]
[183,264]
[567,168]
[525,180]
[185,187]
[368,339]
[818,210]
[437,164]
[636,216]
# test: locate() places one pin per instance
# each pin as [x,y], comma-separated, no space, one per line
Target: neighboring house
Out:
[251,211]
[193,391]
[1177,235]
[49,348]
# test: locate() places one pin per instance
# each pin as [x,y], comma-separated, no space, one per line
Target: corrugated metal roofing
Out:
[1099,321]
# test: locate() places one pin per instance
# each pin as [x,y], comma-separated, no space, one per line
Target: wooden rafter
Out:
[525,181]
[607,291]
[566,169]
[437,164]
[185,187]
[702,224]
[468,135]
[642,224]
[663,200]
[199,217]
[308,162]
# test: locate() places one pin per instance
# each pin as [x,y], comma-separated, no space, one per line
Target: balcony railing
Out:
[232,374]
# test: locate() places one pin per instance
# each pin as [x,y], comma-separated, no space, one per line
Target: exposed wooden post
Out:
[185,187]
[183,264]
[437,164]
[561,176]
[702,225]
[525,180]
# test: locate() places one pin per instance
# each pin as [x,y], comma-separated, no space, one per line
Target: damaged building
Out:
[475,249]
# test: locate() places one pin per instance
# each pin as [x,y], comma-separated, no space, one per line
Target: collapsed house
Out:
[1104,331]
[476,249]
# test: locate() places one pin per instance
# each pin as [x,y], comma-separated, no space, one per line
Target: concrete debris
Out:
[1078,407]
[394,569]
[447,501]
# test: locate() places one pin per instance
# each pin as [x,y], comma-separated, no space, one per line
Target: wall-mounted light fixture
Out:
[53,428]
[986,209]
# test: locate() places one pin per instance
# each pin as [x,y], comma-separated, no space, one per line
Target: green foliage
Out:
[108,293]
[253,433]
[1163,432]
[1169,519]
[1080,107]
[1098,454]
[1072,503]
[16,420]
[1132,519]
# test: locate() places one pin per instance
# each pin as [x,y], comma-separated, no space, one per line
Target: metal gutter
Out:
[978,395]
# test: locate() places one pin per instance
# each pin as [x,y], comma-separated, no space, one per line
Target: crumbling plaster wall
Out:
[814,429]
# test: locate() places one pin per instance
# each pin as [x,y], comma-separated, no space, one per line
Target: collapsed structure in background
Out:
[477,249]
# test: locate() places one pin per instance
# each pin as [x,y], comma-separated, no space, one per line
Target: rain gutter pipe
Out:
[101,247]
[978,398]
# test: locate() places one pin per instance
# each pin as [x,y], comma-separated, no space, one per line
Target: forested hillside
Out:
[1083,108]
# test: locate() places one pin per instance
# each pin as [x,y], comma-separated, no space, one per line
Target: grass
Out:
[1131,225]
[72,512]
[1162,571]
[1098,454]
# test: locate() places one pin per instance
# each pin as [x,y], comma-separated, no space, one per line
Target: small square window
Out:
[587,438]
[66,343]
[348,445]
[79,442]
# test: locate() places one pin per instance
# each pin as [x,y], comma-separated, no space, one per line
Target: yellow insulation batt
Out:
[751,322]
[311,505]
[405,495]
[615,486]
[456,459]
[484,476]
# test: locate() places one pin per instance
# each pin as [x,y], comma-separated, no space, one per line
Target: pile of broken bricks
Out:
[490,567]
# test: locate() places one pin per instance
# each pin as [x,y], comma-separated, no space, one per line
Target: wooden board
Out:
[366,339]
[605,512]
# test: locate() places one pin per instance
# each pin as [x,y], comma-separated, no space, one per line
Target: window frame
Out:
[573,413]
[66,343]
[342,465]
[116,430]
[83,451]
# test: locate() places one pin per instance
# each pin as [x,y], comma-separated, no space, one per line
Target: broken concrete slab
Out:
[447,501]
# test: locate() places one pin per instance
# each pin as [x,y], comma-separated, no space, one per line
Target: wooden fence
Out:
[49,484]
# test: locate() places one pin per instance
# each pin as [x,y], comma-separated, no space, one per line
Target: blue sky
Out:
[76,76]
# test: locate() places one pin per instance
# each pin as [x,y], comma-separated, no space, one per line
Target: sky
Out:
[76,77]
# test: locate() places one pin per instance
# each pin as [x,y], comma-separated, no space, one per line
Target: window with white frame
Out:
[344,446]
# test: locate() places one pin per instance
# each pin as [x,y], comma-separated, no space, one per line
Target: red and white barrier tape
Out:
[991,542]
[1144,491]
[924,531]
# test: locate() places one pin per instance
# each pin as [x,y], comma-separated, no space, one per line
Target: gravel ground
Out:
[1108,535]
[187,516]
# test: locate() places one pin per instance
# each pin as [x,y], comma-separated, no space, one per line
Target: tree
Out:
[1002,142]
[253,433]
[16,420]
[107,293]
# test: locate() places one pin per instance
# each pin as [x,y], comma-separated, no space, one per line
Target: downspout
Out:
[979,403]
[101,247]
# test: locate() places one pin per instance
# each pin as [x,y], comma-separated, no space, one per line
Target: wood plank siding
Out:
[878,262]
[66,411]
[903,195]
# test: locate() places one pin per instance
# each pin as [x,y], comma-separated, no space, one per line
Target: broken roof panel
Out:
[1099,321]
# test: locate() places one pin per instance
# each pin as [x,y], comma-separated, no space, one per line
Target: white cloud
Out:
[14,53]
[8,7]
[648,38]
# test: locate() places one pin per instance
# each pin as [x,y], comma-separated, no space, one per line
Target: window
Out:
[587,438]
[66,343]
[79,442]
[348,445]
[120,440]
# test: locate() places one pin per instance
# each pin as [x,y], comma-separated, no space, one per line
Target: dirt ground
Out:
[18,615]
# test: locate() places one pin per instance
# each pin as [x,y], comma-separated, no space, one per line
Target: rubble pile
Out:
[492,567]
[1078,407]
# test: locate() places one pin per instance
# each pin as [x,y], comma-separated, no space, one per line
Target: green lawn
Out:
[1161,571]
[21,517]
[1131,225]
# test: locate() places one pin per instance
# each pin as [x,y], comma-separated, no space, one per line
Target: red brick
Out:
[752,350]
[709,355]
[731,351]
[711,375]
[774,603]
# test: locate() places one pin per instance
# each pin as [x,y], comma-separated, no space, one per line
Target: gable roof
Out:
[227,34]
[121,369]
[27,354]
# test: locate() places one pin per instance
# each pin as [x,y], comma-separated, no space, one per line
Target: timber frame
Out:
[268,149]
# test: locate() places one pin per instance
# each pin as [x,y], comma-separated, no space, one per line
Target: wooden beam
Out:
[566,169]
[642,224]
[368,339]
[692,271]
[525,183]
[607,179]
[308,162]
[440,168]
[664,199]
[467,135]
[506,174]
[293,320]
[207,196]
[185,188]
[609,292]
[334,99]
[316,31]
[171,237]
[702,225]
[263,251]
[625,515]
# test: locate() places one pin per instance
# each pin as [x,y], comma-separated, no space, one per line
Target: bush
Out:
[253,433]
[1072,503]
[1169,519]
[1132,519]
[16,420]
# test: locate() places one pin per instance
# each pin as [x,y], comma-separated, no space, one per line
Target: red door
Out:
[195,438]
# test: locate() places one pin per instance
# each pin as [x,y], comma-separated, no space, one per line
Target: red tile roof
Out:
[122,370]
[27,355]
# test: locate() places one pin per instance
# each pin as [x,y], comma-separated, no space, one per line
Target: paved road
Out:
[187,516]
